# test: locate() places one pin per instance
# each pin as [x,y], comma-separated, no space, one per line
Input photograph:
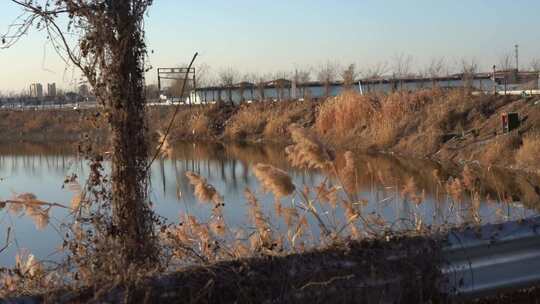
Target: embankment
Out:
[444,125]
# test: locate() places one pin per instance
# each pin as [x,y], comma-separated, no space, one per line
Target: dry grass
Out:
[500,151]
[308,151]
[528,155]
[203,191]
[344,116]
[448,125]
[274,180]
[268,121]
[247,122]
[375,121]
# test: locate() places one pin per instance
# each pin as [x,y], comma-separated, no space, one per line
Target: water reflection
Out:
[384,183]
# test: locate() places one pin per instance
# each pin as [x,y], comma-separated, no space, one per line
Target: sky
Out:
[282,35]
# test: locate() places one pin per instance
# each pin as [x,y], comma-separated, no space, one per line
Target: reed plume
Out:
[469,179]
[348,173]
[27,264]
[274,180]
[203,190]
[454,187]
[410,191]
[327,194]
[308,151]
[166,149]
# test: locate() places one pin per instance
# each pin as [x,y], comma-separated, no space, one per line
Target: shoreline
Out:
[447,127]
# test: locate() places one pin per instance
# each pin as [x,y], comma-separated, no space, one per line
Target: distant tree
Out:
[202,75]
[227,77]
[402,67]
[243,86]
[373,72]
[260,82]
[469,68]
[302,76]
[435,68]
[506,62]
[376,70]
[281,83]
[349,76]
[326,74]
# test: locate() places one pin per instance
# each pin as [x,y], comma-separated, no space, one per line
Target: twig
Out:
[177,108]
[326,283]
[35,202]
[7,240]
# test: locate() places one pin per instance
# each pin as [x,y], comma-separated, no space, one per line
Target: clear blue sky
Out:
[278,35]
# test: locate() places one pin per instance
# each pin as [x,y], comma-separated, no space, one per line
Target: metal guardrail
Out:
[493,258]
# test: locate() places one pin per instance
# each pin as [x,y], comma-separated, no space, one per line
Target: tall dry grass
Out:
[250,120]
[528,155]
[378,121]
[500,151]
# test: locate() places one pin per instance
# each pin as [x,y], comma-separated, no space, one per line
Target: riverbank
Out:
[445,126]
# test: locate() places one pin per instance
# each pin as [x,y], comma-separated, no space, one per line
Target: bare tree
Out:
[436,68]
[227,77]
[376,70]
[469,68]
[260,82]
[327,74]
[506,62]
[203,78]
[281,83]
[110,52]
[349,76]
[401,68]
[302,76]
[243,86]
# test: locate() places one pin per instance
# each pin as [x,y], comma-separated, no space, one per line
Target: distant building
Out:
[36,90]
[51,89]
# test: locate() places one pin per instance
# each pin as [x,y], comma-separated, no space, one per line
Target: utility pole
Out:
[517,56]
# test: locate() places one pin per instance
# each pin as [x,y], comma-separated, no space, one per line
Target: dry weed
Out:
[528,155]
[274,180]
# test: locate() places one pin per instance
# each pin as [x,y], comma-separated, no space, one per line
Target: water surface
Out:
[380,183]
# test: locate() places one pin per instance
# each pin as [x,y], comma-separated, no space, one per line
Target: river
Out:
[380,184]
